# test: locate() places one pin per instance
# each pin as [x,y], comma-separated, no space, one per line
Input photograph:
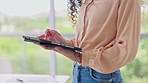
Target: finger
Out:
[55,32]
[57,36]
[50,39]
[59,49]
[47,33]
[63,51]
[47,30]
[48,47]
[41,36]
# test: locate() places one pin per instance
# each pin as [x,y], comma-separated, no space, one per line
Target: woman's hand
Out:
[47,36]
[75,56]
[52,35]
[68,53]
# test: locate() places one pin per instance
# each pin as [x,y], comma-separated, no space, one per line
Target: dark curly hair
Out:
[73,6]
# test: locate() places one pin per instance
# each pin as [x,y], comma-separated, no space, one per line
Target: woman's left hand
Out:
[68,53]
[75,56]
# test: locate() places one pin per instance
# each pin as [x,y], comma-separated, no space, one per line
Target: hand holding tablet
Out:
[50,43]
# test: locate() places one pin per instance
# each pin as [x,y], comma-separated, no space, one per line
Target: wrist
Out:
[79,57]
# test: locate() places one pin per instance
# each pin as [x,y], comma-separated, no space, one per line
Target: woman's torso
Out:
[97,23]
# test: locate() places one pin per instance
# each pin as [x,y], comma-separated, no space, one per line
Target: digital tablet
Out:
[49,43]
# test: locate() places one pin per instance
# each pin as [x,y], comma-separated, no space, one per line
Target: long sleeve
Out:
[123,48]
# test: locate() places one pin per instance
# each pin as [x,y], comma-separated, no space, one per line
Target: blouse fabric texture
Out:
[108,31]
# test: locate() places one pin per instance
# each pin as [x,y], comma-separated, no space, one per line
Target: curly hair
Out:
[73,6]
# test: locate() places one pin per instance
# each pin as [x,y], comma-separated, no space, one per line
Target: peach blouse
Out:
[108,31]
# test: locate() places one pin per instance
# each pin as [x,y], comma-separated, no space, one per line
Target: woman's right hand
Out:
[47,36]
[52,35]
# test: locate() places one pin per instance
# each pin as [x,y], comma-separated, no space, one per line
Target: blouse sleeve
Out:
[123,48]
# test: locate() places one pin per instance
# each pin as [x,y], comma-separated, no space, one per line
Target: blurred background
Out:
[31,17]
